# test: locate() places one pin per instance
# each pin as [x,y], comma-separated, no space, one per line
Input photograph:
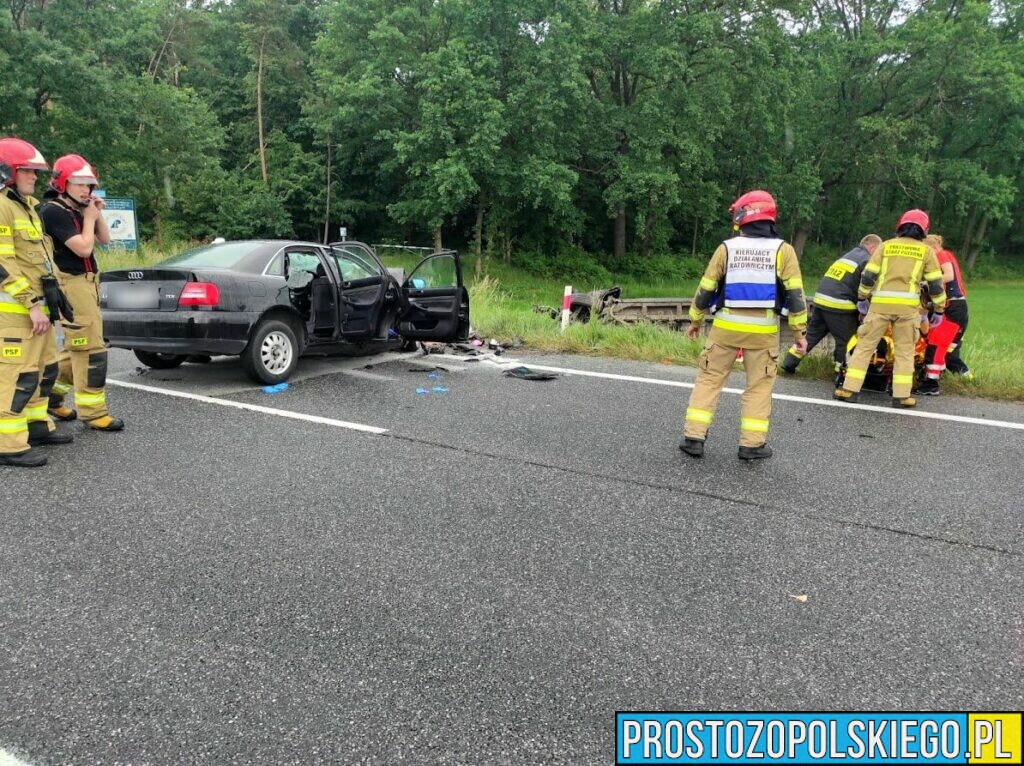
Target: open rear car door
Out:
[436,303]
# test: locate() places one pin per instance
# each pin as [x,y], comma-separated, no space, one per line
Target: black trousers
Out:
[841,325]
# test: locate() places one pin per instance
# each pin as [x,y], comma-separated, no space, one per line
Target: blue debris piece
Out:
[422,391]
[275,389]
[439,390]
[435,376]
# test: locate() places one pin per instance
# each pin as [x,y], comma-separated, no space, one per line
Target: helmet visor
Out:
[83,178]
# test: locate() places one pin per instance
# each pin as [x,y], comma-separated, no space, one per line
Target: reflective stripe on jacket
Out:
[837,290]
[893,275]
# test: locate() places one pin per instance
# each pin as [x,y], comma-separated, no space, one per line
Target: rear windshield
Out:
[223,256]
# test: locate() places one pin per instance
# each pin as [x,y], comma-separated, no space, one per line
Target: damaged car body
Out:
[270,302]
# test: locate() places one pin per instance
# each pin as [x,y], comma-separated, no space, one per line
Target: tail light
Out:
[199,294]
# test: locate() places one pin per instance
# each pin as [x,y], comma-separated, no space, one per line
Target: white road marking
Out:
[250,407]
[6,759]
[781,397]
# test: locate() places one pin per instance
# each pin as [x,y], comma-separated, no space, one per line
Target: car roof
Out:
[260,251]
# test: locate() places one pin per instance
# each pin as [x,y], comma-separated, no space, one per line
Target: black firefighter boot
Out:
[39,435]
[755,453]
[33,458]
[692,447]
[57,410]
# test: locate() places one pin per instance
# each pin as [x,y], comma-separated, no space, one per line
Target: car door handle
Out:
[427,309]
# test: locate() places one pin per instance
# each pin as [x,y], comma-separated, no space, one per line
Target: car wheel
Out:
[272,353]
[159,361]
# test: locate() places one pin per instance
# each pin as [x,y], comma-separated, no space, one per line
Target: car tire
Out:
[272,353]
[159,361]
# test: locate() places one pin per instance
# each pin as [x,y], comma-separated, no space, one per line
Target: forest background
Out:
[561,135]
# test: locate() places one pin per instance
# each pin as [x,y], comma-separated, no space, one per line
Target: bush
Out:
[816,259]
[990,266]
[569,264]
[659,268]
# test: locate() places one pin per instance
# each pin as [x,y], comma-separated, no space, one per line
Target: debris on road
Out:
[526,373]
[802,598]
[276,389]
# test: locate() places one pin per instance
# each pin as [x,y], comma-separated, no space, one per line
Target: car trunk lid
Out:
[142,289]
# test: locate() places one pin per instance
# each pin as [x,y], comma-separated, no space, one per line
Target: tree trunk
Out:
[972,259]
[438,246]
[158,228]
[259,111]
[803,231]
[693,245]
[478,231]
[969,233]
[620,233]
[327,207]
[649,220]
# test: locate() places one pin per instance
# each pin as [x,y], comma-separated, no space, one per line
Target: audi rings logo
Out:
[135,275]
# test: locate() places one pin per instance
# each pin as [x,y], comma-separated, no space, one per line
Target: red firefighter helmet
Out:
[72,168]
[753,206]
[20,155]
[914,216]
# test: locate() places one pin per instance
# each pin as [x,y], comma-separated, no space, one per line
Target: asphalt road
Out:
[497,573]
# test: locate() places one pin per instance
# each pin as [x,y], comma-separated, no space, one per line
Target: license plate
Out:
[134,297]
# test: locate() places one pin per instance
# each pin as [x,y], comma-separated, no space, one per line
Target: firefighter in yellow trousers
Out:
[72,218]
[28,352]
[751,278]
[891,279]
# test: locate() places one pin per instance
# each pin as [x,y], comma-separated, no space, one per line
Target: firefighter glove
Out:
[60,308]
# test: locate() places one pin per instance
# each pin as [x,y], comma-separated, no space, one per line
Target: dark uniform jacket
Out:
[62,223]
[837,290]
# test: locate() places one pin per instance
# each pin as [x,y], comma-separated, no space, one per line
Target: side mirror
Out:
[418,283]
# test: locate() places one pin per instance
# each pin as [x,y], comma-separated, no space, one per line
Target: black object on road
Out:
[525,373]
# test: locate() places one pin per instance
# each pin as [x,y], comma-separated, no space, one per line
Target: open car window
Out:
[354,263]
[437,271]
[304,260]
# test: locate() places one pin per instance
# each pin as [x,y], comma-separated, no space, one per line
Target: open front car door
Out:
[364,284]
[436,303]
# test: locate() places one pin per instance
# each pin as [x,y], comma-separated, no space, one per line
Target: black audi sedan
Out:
[271,301]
